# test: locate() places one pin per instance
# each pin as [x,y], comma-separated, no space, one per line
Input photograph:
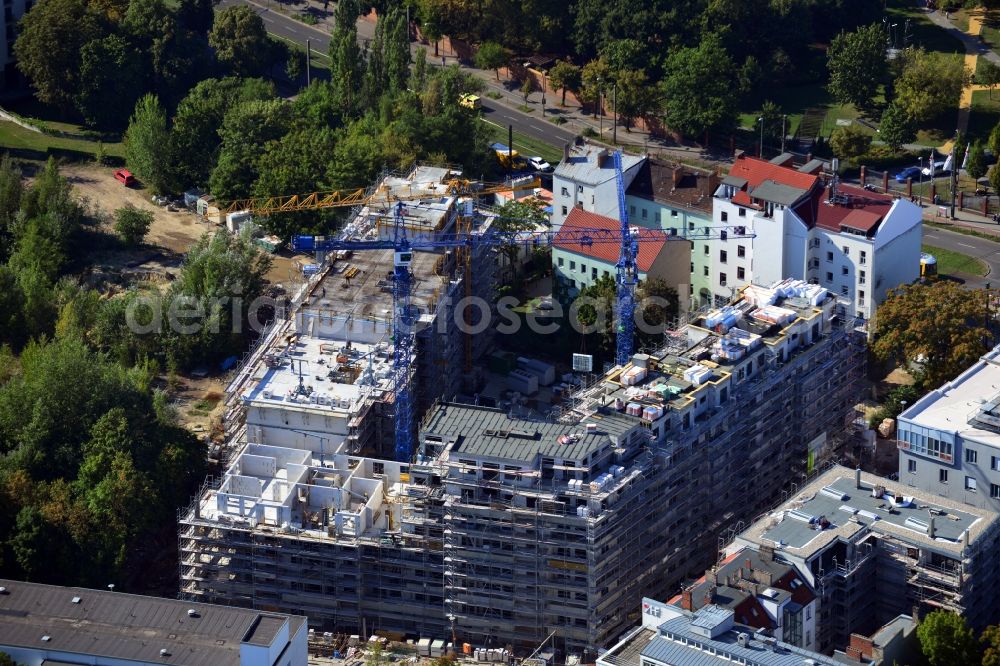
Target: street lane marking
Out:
[966,245]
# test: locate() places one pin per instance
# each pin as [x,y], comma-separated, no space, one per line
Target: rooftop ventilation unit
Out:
[164,652]
[798,514]
[192,612]
[916,524]
[76,600]
[46,638]
[836,494]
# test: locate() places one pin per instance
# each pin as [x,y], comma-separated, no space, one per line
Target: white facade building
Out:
[855,243]
[13,10]
[585,178]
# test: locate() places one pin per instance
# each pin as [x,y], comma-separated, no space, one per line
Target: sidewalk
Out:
[964,219]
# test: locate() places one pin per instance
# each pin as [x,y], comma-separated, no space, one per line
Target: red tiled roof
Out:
[745,614]
[801,594]
[756,171]
[863,211]
[650,242]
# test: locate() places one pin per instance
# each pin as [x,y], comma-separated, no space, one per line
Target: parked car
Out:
[538,164]
[908,172]
[941,167]
[470,101]
[125,177]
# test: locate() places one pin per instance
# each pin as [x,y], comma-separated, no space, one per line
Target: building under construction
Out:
[874,549]
[511,526]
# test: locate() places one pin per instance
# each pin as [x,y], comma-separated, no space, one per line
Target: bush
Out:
[558,120]
[589,132]
[132,224]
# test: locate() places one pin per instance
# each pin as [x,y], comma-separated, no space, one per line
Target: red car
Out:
[125,177]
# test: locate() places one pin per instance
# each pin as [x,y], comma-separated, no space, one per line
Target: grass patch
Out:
[923,31]
[963,230]
[493,94]
[794,101]
[985,113]
[35,145]
[961,19]
[524,108]
[991,29]
[308,19]
[319,59]
[950,262]
[524,144]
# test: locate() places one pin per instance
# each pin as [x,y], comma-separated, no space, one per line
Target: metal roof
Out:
[698,650]
[131,627]
[593,165]
[492,433]
[778,193]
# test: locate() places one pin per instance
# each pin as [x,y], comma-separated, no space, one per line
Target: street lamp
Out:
[760,152]
[784,119]
[921,178]
[614,116]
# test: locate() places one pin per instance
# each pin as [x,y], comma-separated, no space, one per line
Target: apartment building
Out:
[13,10]
[874,549]
[585,178]
[671,636]
[762,593]
[668,195]
[949,440]
[855,243]
[576,266]
[49,624]
[511,525]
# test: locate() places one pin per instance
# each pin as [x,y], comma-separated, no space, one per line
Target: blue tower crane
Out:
[627,274]
[404,315]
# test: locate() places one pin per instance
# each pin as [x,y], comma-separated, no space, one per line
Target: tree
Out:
[245,132]
[491,55]
[52,36]
[145,143]
[699,89]
[197,15]
[976,164]
[636,98]
[132,224]
[857,65]
[430,21]
[991,640]
[527,87]
[850,142]
[771,113]
[896,128]
[937,328]
[945,639]
[113,75]
[240,41]
[994,176]
[346,61]
[565,76]
[988,74]
[659,303]
[994,141]
[929,83]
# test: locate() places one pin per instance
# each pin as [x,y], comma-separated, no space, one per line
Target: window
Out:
[741,251]
[706,250]
[994,491]
[607,274]
[843,290]
[829,257]
[564,210]
[645,213]
[593,273]
[861,277]
[572,283]
[808,638]
[673,213]
[725,216]
[970,484]
[579,188]
[829,277]
[943,475]
[971,456]
[572,265]
[560,261]
[740,273]
[704,270]
[691,224]
[631,211]
[565,192]
[847,251]
[723,235]
[743,212]
[843,270]
[692,267]
[995,463]
[583,268]
[657,216]
[722,279]
[861,297]
[861,257]
[911,466]
[723,255]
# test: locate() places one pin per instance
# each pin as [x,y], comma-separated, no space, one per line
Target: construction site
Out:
[517,526]
[874,549]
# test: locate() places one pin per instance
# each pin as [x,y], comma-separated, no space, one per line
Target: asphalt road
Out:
[986,250]
[288,28]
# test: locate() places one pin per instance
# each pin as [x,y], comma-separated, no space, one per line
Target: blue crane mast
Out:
[404,315]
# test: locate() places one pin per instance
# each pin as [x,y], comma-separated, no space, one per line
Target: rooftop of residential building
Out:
[675,184]
[740,581]
[835,506]
[849,209]
[707,637]
[484,432]
[761,179]
[967,405]
[128,627]
[430,184]
[650,242]
[587,164]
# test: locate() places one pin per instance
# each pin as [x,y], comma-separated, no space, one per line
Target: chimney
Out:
[714,179]
[738,154]
[965,537]
[566,151]
[678,175]
[862,645]
[767,553]
[749,564]
[857,477]
[686,600]
[930,526]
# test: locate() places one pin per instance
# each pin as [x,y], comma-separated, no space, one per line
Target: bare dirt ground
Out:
[172,233]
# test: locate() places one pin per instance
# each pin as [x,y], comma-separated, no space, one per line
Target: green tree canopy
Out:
[850,142]
[945,639]
[113,74]
[491,55]
[937,329]
[699,89]
[145,143]
[132,224]
[565,76]
[896,128]
[857,65]
[988,74]
[976,165]
[245,132]
[346,60]
[929,84]
[240,41]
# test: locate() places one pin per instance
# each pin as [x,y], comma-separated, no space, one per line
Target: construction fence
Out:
[935,194]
